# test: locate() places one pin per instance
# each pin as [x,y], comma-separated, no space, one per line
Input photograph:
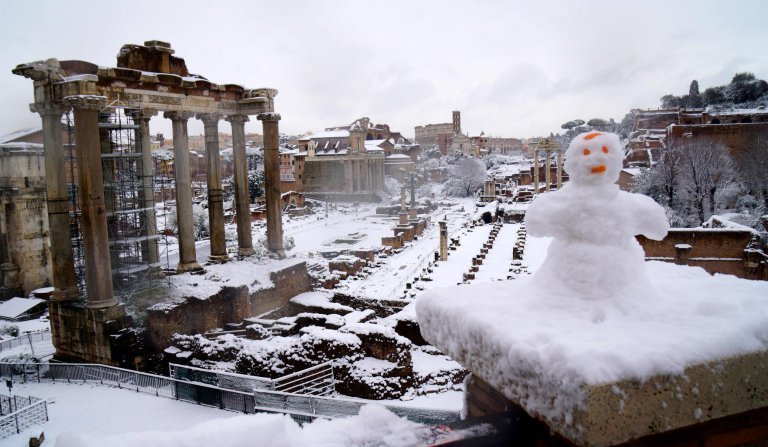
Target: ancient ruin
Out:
[112,107]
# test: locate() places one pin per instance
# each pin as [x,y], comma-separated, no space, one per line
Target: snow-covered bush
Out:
[10,330]
[289,243]
[392,186]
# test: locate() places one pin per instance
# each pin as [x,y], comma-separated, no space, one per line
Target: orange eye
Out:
[587,152]
[605,149]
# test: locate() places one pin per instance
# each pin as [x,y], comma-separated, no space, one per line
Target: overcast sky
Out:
[513,68]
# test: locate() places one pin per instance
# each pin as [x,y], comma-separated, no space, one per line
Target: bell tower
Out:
[456,122]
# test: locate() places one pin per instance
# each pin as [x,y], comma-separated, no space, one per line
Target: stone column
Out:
[348,178]
[443,241]
[547,173]
[187,252]
[272,183]
[403,214]
[149,248]
[413,213]
[63,267]
[98,268]
[242,202]
[355,175]
[559,169]
[213,177]
[535,171]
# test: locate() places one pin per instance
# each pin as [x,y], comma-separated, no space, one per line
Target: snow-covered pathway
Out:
[389,280]
[497,262]
[459,261]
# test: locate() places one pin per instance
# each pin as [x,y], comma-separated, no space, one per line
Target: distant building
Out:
[432,134]
[449,138]
[349,159]
[291,169]
[461,143]
[656,130]
[24,253]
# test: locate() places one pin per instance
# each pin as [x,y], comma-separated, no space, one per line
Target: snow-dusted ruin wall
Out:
[193,315]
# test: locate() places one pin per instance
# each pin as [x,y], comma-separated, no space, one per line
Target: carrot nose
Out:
[598,169]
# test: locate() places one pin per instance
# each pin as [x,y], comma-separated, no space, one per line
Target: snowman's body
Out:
[594,253]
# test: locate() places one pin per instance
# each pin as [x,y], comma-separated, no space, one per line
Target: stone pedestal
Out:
[603,375]
[94,335]
[443,241]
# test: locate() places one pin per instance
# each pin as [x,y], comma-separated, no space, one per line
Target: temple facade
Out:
[147,80]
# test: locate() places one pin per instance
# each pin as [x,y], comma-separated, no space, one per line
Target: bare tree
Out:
[752,163]
[706,168]
[467,176]
[662,182]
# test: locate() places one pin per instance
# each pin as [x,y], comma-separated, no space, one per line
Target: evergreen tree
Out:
[694,98]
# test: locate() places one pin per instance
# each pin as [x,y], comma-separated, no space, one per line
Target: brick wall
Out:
[736,136]
[715,250]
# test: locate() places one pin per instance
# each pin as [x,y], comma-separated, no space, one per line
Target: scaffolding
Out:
[135,260]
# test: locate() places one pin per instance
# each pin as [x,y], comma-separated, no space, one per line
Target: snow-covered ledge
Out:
[602,374]
[601,346]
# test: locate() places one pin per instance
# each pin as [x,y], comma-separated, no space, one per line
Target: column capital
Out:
[237,119]
[141,114]
[209,118]
[178,115]
[86,102]
[49,108]
[268,116]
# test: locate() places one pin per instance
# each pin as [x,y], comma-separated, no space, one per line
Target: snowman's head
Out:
[594,158]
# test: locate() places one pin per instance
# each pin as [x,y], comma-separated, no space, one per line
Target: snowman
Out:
[594,254]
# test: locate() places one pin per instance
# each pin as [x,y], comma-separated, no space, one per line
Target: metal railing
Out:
[9,404]
[231,381]
[334,407]
[301,407]
[35,412]
[25,339]
[316,380]
[198,393]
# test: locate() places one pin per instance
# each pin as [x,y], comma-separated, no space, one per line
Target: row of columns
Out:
[187,252]
[547,172]
[364,175]
[92,198]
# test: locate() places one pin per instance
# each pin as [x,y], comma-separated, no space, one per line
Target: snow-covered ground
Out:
[89,415]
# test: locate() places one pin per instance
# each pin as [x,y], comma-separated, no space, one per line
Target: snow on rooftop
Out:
[721,223]
[633,171]
[398,157]
[15,307]
[7,138]
[22,147]
[326,134]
